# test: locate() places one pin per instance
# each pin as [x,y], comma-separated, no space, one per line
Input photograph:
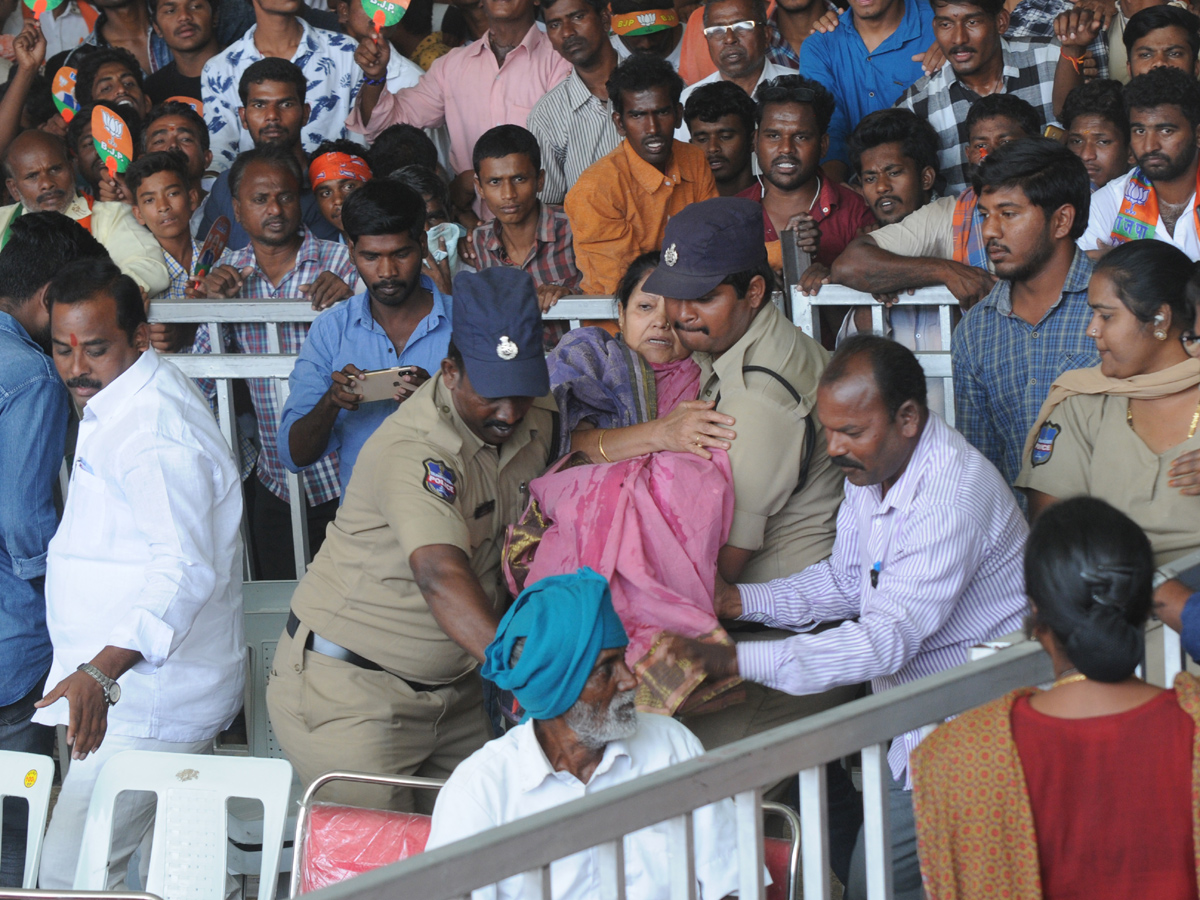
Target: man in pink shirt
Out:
[493,81]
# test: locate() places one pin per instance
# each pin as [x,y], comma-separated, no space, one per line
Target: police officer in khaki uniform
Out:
[377,668]
[762,370]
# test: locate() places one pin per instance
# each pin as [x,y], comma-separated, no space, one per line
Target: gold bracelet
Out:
[600,445]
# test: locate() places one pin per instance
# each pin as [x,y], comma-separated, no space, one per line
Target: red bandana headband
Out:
[338,167]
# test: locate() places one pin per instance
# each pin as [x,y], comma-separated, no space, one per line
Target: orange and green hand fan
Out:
[112,139]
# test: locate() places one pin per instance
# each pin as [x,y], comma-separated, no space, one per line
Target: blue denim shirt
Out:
[1190,630]
[34,410]
[348,333]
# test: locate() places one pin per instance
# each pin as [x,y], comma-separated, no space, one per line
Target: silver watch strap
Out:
[104,681]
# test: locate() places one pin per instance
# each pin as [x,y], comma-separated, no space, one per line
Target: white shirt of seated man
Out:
[600,741]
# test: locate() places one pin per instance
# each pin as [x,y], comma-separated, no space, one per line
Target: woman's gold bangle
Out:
[600,445]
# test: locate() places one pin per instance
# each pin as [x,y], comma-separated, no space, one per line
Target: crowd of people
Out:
[546,561]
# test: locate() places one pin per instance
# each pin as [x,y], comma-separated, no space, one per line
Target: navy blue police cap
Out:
[498,330]
[705,243]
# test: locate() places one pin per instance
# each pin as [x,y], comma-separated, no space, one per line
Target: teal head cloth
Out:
[568,620]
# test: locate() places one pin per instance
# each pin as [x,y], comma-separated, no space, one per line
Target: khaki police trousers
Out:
[328,714]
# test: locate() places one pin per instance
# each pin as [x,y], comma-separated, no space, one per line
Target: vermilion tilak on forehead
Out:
[74,341]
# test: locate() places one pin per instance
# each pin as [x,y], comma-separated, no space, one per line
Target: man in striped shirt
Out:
[573,122]
[927,562]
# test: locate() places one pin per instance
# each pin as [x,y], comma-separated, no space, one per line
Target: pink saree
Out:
[651,525]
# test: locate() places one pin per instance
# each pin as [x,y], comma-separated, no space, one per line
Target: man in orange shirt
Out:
[619,207]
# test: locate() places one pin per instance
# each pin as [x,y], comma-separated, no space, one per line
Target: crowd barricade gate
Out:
[739,770]
[806,313]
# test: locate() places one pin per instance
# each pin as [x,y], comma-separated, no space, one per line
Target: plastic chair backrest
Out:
[28,775]
[344,841]
[187,857]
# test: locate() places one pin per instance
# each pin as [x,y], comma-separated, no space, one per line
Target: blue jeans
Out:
[906,868]
[17,732]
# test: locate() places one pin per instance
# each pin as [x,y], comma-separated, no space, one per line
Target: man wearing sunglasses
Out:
[736,33]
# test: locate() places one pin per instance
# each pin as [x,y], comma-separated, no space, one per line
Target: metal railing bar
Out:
[681,853]
[814,835]
[236,312]
[612,869]
[751,884]
[299,310]
[877,779]
[233,365]
[743,766]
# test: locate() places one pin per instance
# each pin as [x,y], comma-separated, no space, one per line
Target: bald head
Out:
[38,172]
[871,403]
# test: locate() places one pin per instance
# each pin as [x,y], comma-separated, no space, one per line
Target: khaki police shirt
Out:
[1093,451]
[788,530]
[422,478]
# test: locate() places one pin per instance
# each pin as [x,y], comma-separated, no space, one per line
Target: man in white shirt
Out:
[1157,199]
[561,650]
[143,576]
[40,176]
[737,34]
[927,562]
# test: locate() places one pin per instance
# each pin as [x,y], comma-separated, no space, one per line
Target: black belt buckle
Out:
[334,651]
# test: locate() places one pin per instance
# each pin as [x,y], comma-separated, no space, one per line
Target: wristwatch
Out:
[112,690]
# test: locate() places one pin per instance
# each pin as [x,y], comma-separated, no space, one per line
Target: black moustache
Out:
[845,463]
[82,381]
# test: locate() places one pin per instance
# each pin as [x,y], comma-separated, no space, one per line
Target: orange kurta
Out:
[620,205]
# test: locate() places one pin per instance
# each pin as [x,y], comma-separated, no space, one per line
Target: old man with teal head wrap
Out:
[567,620]
[561,650]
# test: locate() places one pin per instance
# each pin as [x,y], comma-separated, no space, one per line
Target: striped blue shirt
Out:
[948,543]
[1004,367]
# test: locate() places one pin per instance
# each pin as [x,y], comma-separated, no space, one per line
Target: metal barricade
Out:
[225,368]
[936,363]
[739,770]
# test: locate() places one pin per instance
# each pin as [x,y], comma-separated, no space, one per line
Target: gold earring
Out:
[1161,335]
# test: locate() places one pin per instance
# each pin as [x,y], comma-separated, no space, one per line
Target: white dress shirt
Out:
[148,557]
[1106,203]
[770,71]
[948,544]
[510,778]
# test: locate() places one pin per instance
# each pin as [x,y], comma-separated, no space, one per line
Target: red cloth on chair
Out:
[777,853]
[344,841]
[1112,801]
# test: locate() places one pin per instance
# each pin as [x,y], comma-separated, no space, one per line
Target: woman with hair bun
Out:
[1088,789]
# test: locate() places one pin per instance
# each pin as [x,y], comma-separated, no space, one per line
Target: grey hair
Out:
[517,650]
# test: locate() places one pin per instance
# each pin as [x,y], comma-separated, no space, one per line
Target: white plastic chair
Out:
[28,775]
[187,857]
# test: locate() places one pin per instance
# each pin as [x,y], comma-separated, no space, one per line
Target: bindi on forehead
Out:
[74,341]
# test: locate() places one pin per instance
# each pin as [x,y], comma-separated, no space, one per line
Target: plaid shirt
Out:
[779,51]
[943,101]
[313,258]
[1004,367]
[177,290]
[180,277]
[1035,19]
[551,260]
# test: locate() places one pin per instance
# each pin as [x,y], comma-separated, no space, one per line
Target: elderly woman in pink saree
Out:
[646,496]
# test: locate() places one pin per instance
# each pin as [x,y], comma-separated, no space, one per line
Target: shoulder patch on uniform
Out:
[1043,447]
[440,480]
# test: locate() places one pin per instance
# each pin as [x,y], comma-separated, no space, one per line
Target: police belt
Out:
[318,644]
